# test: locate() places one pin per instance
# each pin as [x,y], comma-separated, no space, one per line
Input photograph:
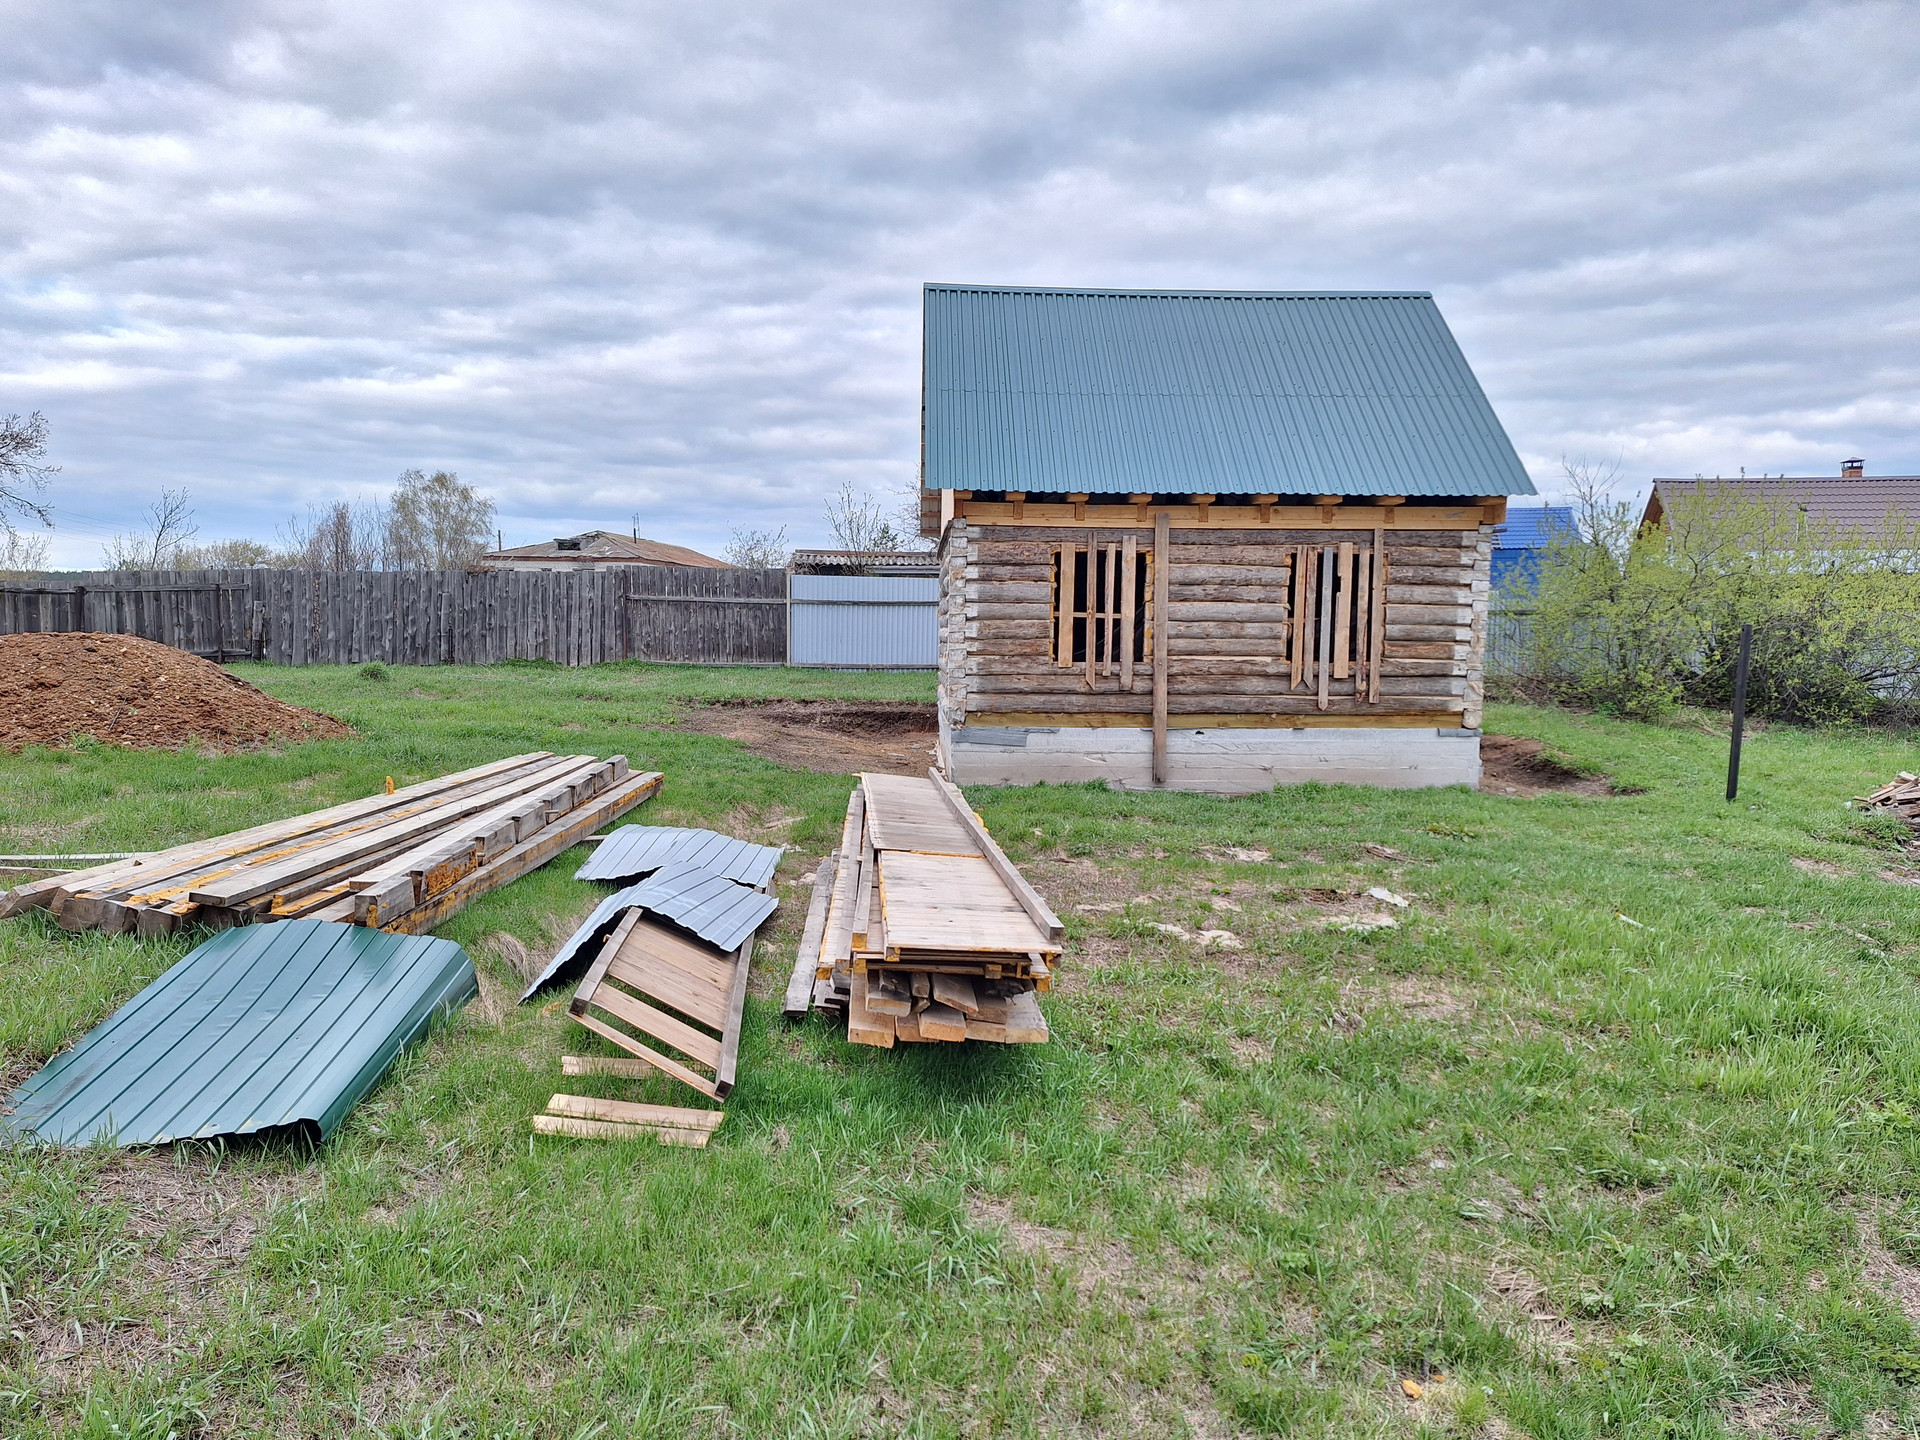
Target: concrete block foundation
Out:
[1221,762]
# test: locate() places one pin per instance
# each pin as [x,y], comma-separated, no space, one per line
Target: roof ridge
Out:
[1196,294]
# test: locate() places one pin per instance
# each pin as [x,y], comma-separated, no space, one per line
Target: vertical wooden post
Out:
[1343,608]
[1063,618]
[1379,612]
[1162,563]
[1323,628]
[1093,613]
[1129,565]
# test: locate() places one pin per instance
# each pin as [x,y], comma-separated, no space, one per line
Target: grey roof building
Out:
[1851,501]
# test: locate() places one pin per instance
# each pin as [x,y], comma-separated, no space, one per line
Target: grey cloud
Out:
[607,258]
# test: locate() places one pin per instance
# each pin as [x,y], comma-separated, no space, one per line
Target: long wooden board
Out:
[904,814]
[952,902]
[799,997]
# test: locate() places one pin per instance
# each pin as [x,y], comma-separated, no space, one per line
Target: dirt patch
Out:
[1514,765]
[1820,867]
[835,737]
[127,691]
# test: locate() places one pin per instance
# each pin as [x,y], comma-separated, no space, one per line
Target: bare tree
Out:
[758,549]
[1601,520]
[23,444]
[337,537]
[169,531]
[228,555]
[436,522]
[21,555]
[861,522]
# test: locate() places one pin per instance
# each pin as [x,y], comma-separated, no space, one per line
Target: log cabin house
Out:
[1207,540]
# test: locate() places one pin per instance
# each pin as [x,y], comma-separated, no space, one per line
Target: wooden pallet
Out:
[683,996]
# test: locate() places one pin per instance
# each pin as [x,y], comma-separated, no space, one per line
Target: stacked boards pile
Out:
[400,861]
[667,959]
[1900,798]
[921,929]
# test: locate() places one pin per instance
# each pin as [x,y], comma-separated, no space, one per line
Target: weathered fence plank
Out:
[300,617]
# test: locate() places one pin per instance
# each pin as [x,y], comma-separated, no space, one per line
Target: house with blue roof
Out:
[1520,542]
[1208,540]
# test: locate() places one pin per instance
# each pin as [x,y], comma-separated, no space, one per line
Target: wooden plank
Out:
[866,881]
[612,1130]
[678,1117]
[1029,898]
[730,1025]
[1062,601]
[1023,1025]
[620,1065]
[942,1022]
[799,997]
[904,812]
[653,1057]
[1342,637]
[865,1026]
[596,972]
[1379,611]
[672,987]
[839,942]
[1162,563]
[657,1023]
[1129,568]
[958,992]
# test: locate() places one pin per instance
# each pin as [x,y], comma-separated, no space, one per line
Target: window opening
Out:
[1102,597]
[1336,632]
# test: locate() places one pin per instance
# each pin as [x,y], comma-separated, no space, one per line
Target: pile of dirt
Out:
[128,691]
[836,737]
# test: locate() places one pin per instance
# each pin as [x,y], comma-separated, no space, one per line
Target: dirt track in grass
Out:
[834,737]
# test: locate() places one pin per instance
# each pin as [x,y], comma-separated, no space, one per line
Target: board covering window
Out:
[1336,596]
[1102,596]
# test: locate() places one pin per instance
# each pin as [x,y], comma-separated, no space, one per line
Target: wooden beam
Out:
[736,1015]
[806,961]
[1358,517]
[1010,876]
[1129,567]
[1162,563]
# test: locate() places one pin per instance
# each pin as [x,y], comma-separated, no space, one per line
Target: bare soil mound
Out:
[836,737]
[133,692]
[1512,765]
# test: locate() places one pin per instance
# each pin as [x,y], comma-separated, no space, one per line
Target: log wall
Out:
[1228,625]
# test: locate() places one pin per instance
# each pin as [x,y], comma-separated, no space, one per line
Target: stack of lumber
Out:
[401,861]
[1899,797]
[921,929]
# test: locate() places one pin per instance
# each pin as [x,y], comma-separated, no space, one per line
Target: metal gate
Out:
[864,622]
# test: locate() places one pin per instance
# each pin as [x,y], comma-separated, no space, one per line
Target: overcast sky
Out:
[666,258]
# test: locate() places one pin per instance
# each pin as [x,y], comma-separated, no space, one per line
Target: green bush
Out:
[1635,620]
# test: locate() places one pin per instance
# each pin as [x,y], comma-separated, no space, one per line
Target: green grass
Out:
[1607,1178]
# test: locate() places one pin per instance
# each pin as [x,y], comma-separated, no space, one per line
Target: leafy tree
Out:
[436,522]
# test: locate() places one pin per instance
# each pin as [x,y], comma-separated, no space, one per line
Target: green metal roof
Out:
[265,1028]
[1204,392]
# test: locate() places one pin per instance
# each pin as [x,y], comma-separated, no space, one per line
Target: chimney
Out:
[1853,469]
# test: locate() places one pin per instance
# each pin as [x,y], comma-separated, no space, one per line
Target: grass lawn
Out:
[1615,1132]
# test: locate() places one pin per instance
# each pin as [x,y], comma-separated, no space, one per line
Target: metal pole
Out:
[1739,710]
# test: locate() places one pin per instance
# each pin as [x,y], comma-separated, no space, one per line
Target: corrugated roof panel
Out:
[1117,392]
[635,850]
[1534,527]
[718,910]
[265,1028]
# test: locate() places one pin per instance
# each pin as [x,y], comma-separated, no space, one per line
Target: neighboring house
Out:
[1522,539]
[597,550]
[1208,540]
[1852,501]
[863,562]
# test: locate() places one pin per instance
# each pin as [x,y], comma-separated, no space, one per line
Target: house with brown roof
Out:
[597,550]
[1852,502]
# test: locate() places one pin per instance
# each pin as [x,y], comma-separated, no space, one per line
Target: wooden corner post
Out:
[1162,562]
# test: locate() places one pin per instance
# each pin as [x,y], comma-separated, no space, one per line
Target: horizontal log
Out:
[1184,573]
[1038,628]
[1028,573]
[986,513]
[1394,665]
[1227,594]
[1179,645]
[1207,610]
[1031,592]
[1449,576]
[1005,542]
[1024,650]
[981,708]
[1429,614]
[1430,650]
[1460,634]
[1397,594]
[1262,634]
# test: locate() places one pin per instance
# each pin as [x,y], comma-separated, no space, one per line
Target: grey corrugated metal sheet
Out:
[266,1028]
[718,910]
[1204,392]
[634,850]
[882,621]
[1863,506]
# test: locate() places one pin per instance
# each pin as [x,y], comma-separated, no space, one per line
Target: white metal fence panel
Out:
[876,622]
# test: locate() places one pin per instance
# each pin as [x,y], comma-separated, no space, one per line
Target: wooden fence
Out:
[422,617]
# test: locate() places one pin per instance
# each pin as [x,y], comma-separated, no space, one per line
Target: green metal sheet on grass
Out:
[267,1028]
